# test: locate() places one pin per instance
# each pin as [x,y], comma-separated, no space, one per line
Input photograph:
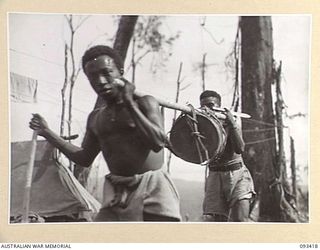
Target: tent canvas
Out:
[54,191]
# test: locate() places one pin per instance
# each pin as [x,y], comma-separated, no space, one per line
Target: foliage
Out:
[149,38]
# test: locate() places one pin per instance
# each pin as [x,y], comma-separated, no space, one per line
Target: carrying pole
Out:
[29,172]
[183,108]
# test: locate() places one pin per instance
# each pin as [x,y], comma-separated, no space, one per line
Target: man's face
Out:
[210,102]
[101,73]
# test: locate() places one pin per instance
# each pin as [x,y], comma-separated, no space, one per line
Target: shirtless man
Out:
[125,129]
[229,186]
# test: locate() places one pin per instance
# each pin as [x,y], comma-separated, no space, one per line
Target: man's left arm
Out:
[147,117]
[235,133]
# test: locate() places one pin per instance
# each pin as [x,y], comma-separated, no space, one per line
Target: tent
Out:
[55,192]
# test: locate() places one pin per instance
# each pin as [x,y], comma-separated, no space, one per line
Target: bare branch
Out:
[95,39]
[77,73]
[70,23]
[297,115]
[203,22]
[67,18]
[185,87]
[142,56]
[81,22]
[138,60]
[183,78]
[212,36]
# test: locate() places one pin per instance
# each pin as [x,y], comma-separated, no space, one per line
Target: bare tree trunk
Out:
[236,54]
[257,77]
[124,34]
[175,112]
[74,71]
[72,78]
[287,201]
[281,159]
[293,169]
[72,81]
[203,72]
[260,155]
[63,90]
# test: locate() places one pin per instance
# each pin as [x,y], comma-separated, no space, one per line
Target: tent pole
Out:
[29,172]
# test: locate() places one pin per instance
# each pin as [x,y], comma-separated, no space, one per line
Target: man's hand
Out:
[229,118]
[39,124]
[236,138]
[127,91]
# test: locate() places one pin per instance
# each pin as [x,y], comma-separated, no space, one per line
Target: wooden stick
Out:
[183,108]
[29,172]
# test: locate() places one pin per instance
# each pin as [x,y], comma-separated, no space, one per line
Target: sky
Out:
[36,50]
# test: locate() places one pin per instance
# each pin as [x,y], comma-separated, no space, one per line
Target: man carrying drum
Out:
[127,130]
[229,185]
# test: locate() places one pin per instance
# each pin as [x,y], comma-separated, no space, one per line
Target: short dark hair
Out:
[208,93]
[99,50]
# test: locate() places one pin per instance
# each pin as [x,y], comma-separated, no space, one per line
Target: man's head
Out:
[100,50]
[210,99]
[102,65]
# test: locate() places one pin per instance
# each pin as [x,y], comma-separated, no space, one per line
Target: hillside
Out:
[191,195]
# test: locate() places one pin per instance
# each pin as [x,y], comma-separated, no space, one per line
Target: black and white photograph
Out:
[159,118]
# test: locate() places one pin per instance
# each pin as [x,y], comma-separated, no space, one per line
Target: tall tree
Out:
[257,77]
[261,156]
[124,35]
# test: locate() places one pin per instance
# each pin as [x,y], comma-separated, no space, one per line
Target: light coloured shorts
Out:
[224,189]
[152,192]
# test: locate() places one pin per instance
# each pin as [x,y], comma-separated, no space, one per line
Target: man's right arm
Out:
[83,156]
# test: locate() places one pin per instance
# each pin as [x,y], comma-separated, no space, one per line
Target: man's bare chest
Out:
[113,120]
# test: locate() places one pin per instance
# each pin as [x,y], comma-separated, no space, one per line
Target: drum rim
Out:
[218,126]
